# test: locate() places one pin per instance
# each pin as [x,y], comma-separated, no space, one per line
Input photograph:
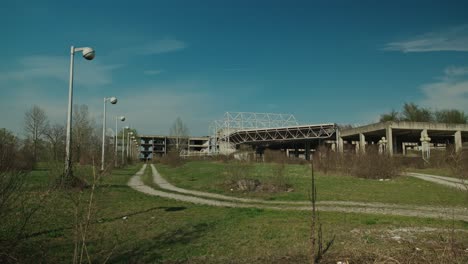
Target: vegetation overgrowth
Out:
[211,176]
[129,227]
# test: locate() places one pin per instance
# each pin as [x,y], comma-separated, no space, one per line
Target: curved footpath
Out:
[460,184]
[172,192]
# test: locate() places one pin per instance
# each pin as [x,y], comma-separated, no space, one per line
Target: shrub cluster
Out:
[369,165]
[172,159]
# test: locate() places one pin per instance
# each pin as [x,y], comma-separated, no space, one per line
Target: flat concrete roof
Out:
[404,125]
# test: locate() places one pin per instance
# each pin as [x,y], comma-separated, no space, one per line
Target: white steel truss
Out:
[279,134]
[247,127]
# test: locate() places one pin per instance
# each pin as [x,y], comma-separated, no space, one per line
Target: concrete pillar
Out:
[362,143]
[458,141]
[389,136]
[307,150]
[296,151]
[339,141]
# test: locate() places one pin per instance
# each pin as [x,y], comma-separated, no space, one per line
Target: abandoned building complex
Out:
[282,132]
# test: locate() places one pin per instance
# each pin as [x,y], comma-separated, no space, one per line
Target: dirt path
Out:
[447,181]
[211,199]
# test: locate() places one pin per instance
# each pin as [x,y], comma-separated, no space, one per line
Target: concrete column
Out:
[339,141]
[307,150]
[458,141]
[389,136]
[362,143]
[296,151]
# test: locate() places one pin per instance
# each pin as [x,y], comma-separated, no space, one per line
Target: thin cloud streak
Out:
[453,39]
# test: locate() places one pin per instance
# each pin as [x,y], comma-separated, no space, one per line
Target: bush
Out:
[14,154]
[275,156]
[240,178]
[172,159]
[371,165]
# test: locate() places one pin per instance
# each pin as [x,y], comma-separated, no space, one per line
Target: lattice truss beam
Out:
[245,127]
[233,121]
[283,134]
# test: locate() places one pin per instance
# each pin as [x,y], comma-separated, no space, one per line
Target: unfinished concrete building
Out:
[398,137]
[152,146]
[282,132]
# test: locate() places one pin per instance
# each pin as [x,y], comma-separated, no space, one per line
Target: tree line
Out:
[45,141]
[414,113]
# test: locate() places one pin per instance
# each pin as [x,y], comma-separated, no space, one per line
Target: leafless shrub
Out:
[318,247]
[172,159]
[240,177]
[14,153]
[279,181]
[275,156]
[17,209]
[369,165]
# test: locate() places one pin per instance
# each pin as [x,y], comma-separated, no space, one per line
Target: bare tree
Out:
[35,125]
[179,133]
[319,248]
[86,141]
[56,137]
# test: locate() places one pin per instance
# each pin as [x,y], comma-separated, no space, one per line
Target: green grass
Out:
[211,176]
[165,231]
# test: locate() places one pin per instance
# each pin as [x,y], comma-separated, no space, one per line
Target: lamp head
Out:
[113,100]
[122,118]
[88,53]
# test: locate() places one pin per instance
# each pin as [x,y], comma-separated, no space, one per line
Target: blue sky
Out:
[323,61]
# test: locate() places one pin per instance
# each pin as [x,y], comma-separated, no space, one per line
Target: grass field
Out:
[211,176]
[157,230]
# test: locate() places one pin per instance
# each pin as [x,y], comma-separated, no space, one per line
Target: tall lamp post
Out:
[131,147]
[112,100]
[123,144]
[128,142]
[89,54]
[122,118]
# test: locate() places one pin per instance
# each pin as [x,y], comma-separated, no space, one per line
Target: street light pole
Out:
[128,141]
[123,143]
[88,53]
[122,118]
[112,100]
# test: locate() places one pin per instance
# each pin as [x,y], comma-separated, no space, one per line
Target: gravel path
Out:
[447,181]
[196,197]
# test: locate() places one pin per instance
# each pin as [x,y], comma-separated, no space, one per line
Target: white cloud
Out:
[453,39]
[88,73]
[451,91]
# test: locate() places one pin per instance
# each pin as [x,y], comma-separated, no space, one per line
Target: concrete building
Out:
[157,145]
[395,137]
